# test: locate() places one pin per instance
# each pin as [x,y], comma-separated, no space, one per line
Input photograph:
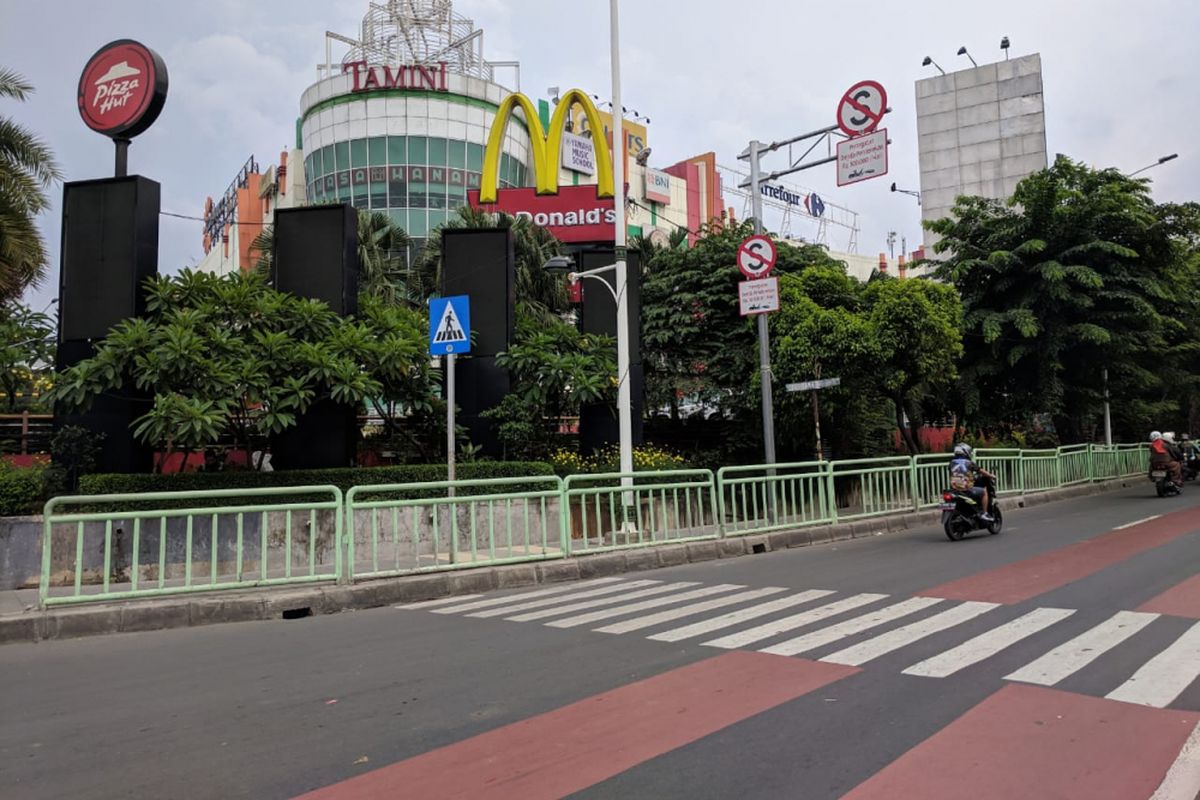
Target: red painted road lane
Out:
[1017,582]
[571,748]
[1027,741]
[1181,600]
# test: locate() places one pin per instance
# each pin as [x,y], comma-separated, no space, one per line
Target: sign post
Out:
[815,387]
[121,91]
[450,336]
[756,258]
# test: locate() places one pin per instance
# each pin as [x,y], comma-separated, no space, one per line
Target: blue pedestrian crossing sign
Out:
[450,325]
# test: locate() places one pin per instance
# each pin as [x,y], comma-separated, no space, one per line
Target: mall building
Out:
[399,125]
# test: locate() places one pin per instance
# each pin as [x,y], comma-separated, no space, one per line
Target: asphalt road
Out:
[432,702]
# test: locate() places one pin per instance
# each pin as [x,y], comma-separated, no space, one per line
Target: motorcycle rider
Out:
[1187,449]
[1165,455]
[963,472]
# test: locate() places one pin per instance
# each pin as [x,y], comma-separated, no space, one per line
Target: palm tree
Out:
[536,289]
[27,170]
[382,257]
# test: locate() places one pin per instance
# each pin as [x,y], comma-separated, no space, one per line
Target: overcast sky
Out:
[1119,82]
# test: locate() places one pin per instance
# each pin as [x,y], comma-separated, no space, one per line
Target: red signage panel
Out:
[122,89]
[575,214]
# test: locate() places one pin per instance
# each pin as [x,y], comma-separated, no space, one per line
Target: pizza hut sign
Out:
[122,89]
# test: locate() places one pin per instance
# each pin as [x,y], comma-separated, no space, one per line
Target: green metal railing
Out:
[757,498]
[872,487]
[403,528]
[120,546]
[622,510]
[109,547]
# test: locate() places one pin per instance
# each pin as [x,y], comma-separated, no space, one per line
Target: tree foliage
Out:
[1078,273]
[229,356]
[696,347]
[555,370]
[27,170]
[27,346]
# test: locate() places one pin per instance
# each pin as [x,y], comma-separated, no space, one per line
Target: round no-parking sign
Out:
[862,108]
[756,256]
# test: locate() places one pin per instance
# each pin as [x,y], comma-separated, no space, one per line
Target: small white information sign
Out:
[758,296]
[578,154]
[862,158]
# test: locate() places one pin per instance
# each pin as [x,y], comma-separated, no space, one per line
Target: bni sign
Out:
[578,154]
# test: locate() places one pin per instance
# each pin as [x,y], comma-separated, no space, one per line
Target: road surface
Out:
[1059,659]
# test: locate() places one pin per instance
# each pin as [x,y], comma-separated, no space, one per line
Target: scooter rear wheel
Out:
[953,532]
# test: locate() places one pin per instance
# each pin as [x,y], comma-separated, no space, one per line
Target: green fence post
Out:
[564,524]
[914,483]
[1021,471]
[719,521]
[1058,468]
[830,493]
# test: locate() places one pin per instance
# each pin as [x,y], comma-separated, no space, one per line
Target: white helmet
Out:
[1169,436]
[1155,436]
[963,450]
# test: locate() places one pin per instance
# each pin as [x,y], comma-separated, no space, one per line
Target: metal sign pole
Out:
[450,443]
[817,416]
[764,336]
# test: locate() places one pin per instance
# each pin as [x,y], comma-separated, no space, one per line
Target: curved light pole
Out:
[624,400]
[1162,160]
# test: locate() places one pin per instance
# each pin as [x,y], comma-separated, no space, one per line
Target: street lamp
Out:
[962,51]
[908,192]
[624,400]
[929,61]
[1162,160]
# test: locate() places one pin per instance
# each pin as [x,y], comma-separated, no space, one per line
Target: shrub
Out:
[21,491]
[343,478]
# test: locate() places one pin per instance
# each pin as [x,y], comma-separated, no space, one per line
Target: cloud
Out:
[118,71]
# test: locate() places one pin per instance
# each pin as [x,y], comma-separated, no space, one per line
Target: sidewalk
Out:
[22,621]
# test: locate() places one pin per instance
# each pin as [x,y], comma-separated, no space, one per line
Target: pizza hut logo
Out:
[122,89]
[115,88]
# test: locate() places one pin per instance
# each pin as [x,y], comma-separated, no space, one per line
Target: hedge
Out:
[21,491]
[343,478]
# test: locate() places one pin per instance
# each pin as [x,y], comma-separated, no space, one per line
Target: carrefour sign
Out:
[782,194]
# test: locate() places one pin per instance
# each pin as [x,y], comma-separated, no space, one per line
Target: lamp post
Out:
[1161,160]
[909,192]
[929,61]
[624,401]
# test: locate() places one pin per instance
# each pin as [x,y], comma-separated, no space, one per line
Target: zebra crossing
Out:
[787,622]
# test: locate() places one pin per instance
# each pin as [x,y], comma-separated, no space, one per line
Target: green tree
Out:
[27,347]
[917,325]
[695,344]
[382,257]
[543,294]
[227,356]
[27,170]
[1070,277]
[555,370]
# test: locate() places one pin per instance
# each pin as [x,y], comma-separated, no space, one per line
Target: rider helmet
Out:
[1155,436]
[1169,436]
[963,450]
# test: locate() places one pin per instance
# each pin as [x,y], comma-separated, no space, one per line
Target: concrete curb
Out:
[295,602]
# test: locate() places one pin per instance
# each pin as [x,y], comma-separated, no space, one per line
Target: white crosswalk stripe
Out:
[516,598]
[650,620]
[1164,677]
[883,644]
[633,608]
[778,626]
[1085,648]
[516,604]
[742,615]
[987,644]
[600,601]
[615,605]
[441,601]
[834,633]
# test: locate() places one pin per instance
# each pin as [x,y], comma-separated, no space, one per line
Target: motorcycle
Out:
[1163,485]
[960,513]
